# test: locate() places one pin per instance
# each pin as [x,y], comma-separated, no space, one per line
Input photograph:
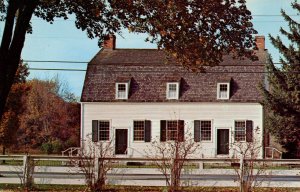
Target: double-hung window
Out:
[142,131]
[100,130]
[122,90]
[173,90]
[240,130]
[171,130]
[202,130]
[223,90]
[243,130]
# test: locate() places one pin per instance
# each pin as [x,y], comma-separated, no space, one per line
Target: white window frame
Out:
[219,91]
[138,141]
[168,90]
[211,131]
[126,90]
[168,130]
[109,130]
[245,131]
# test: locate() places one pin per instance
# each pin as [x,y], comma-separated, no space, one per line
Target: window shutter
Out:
[197,131]
[95,130]
[180,130]
[249,131]
[163,126]
[147,131]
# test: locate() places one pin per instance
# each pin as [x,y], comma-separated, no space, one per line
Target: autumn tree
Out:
[48,120]
[282,100]
[197,32]
[14,107]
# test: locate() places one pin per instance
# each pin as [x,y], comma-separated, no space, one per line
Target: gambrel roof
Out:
[148,72]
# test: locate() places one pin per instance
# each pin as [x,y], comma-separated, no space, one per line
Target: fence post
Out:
[242,174]
[28,169]
[97,167]
[201,164]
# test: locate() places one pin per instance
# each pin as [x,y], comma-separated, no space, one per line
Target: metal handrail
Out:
[71,150]
[273,149]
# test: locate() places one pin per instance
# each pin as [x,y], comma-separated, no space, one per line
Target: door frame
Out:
[115,137]
[216,141]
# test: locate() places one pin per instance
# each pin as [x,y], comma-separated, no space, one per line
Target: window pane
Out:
[172,87]
[172,130]
[172,92]
[121,87]
[223,91]
[240,131]
[103,130]
[205,130]
[122,91]
[138,130]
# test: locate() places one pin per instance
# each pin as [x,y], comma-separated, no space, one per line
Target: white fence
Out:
[140,171]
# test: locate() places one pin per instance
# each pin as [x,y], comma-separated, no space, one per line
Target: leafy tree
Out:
[282,100]
[14,107]
[197,32]
[48,120]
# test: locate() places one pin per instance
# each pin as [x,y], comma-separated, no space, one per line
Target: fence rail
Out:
[61,170]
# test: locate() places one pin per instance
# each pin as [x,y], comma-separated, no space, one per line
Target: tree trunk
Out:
[12,44]
[3,153]
[3,150]
[3,84]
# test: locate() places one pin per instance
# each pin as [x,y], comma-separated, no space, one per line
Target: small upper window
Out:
[223,91]
[172,90]
[121,90]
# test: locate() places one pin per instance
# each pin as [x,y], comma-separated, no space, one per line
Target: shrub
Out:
[47,148]
[57,146]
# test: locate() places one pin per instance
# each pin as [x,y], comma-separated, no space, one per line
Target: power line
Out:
[54,61]
[54,69]
[217,72]
[86,62]
[254,15]
[275,15]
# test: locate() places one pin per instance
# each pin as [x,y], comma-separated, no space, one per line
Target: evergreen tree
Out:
[282,99]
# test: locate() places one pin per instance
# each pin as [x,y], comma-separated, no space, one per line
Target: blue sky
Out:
[63,42]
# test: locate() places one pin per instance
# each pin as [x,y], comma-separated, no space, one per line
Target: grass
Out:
[228,166]
[56,163]
[37,163]
[78,188]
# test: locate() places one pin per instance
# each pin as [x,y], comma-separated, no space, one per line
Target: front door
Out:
[223,142]
[121,141]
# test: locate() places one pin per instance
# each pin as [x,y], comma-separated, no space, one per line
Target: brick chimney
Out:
[260,42]
[109,42]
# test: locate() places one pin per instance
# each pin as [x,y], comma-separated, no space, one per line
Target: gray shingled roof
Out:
[149,71]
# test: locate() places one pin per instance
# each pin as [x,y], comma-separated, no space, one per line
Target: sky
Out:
[62,41]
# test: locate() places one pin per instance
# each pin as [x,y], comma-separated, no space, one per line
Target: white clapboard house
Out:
[133,97]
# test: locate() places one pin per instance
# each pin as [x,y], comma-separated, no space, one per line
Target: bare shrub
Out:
[94,162]
[249,171]
[171,156]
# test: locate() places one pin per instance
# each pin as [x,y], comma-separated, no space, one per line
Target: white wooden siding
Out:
[122,115]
